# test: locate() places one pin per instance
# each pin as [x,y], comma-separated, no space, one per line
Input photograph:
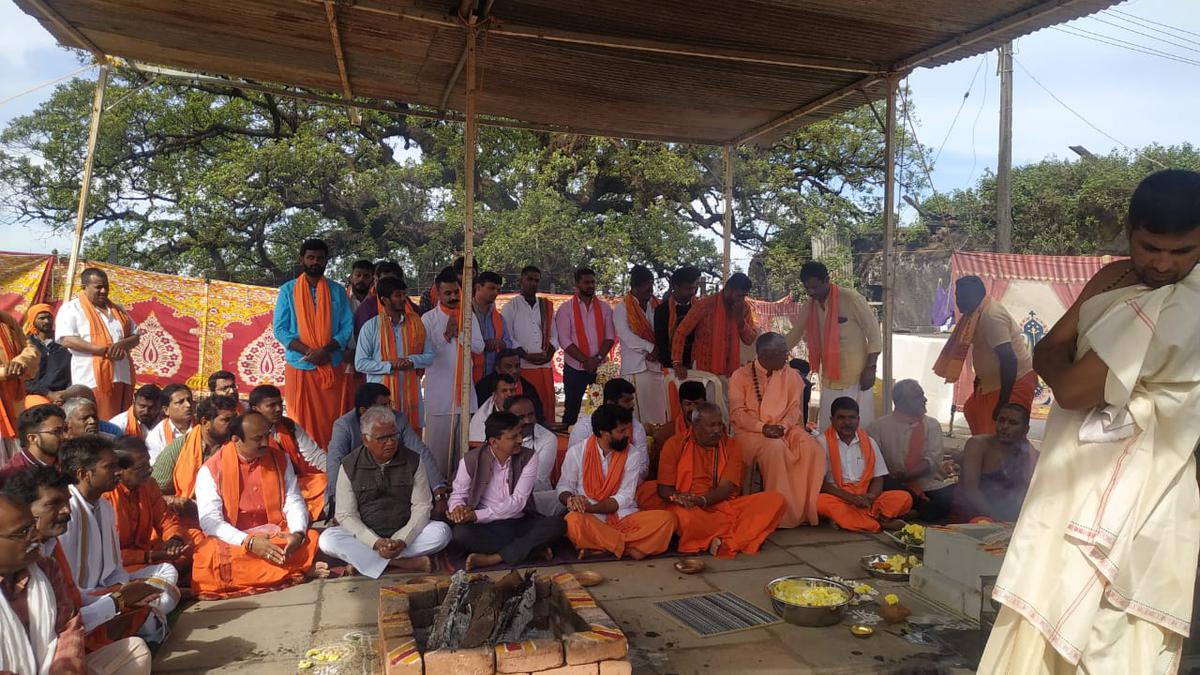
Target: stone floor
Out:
[270,633]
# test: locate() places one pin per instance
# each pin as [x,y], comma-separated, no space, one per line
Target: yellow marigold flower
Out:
[891,599]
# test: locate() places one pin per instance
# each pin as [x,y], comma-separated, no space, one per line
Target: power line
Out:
[912,127]
[1069,108]
[1149,35]
[975,124]
[1117,42]
[962,104]
[1165,26]
[47,83]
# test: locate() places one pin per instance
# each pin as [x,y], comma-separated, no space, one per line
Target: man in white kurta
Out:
[622,393]
[530,321]
[545,449]
[92,544]
[506,388]
[1100,573]
[640,360]
[441,398]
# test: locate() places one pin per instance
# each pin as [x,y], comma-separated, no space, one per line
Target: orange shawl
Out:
[458,354]
[133,426]
[102,368]
[824,348]
[547,322]
[637,318]
[685,471]
[726,353]
[314,322]
[858,487]
[228,477]
[143,519]
[950,362]
[12,389]
[581,338]
[477,360]
[188,463]
[32,314]
[406,391]
[287,443]
[916,449]
[598,486]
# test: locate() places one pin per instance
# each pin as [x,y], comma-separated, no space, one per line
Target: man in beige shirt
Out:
[844,350]
[911,444]
[999,354]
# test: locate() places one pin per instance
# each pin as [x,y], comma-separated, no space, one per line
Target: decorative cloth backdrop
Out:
[1035,289]
[192,327]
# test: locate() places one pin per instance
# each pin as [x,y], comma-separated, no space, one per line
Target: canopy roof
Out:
[705,71]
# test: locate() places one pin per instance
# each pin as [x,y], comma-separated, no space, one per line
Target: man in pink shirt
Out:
[584,326]
[493,515]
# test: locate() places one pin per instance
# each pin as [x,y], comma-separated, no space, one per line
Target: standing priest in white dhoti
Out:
[1101,569]
[92,544]
[442,377]
[383,504]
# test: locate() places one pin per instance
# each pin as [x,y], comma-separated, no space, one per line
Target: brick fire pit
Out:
[590,642]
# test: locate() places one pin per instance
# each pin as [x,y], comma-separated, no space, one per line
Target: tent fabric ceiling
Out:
[624,68]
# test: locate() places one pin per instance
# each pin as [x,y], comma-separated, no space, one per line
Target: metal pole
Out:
[464,328]
[85,185]
[1004,162]
[889,238]
[727,217]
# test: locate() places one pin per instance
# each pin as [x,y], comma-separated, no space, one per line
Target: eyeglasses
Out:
[58,431]
[385,438]
[25,533]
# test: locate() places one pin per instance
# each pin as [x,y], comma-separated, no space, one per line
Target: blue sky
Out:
[1134,97]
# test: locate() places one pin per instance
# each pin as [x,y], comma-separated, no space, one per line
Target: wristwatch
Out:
[118,599]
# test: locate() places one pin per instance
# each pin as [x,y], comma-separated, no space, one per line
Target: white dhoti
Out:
[651,397]
[546,502]
[341,544]
[440,436]
[165,577]
[865,399]
[1100,573]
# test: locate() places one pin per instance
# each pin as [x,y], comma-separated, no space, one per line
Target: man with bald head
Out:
[765,397]
[911,444]
[254,518]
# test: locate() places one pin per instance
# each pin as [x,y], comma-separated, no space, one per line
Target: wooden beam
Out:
[462,58]
[889,241]
[464,327]
[66,28]
[727,216]
[85,184]
[336,39]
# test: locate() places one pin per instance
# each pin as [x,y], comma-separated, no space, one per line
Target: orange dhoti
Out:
[223,571]
[113,402]
[311,403]
[542,380]
[793,466]
[742,524]
[889,504]
[647,531]
[979,407]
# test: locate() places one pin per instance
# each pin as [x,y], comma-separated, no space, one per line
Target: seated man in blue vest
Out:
[383,504]
[491,507]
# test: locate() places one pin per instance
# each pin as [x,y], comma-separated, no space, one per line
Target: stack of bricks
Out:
[596,647]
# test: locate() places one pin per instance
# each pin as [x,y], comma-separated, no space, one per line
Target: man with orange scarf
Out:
[722,323]
[175,468]
[530,321]
[143,415]
[911,444]
[149,531]
[308,459]
[100,335]
[853,496]
[254,518]
[641,364]
[18,362]
[444,376]
[487,326]
[598,486]
[843,339]
[999,354]
[314,324]
[699,477]
[764,410]
[393,349]
[585,332]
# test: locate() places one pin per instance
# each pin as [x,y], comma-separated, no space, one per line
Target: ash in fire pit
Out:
[479,612]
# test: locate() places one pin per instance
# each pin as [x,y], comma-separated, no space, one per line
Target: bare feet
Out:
[319,570]
[586,553]
[714,546]
[418,564]
[634,554]
[477,560]
[891,524]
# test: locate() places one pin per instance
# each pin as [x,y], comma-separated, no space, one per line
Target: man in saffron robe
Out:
[721,324]
[530,321]
[598,486]
[54,362]
[585,332]
[487,325]
[145,413]
[691,394]
[764,408]
[307,458]
[393,350]
[843,339]
[91,543]
[314,324]
[254,518]
[444,377]
[1100,573]
[175,468]
[853,496]
[178,418]
[641,364]
[699,480]
[911,444]
[18,363]
[999,354]
[491,507]
[149,530]
[100,335]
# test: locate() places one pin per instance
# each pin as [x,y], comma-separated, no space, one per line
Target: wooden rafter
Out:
[336,39]
[67,28]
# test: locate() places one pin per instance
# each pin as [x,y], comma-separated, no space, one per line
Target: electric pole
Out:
[1004,163]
